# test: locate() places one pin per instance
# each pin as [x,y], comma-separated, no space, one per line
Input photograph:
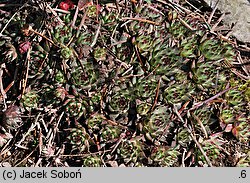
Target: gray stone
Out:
[239,14]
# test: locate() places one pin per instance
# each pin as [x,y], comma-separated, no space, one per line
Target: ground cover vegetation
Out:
[121,83]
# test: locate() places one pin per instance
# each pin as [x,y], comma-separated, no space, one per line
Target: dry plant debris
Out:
[121,83]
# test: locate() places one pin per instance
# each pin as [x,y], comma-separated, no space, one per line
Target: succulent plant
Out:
[228,52]
[119,100]
[130,151]
[158,53]
[30,100]
[95,122]
[59,77]
[189,47]
[143,107]
[203,118]
[48,95]
[165,157]
[38,56]
[183,137]
[84,78]
[92,161]
[66,53]
[244,161]
[151,14]
[124,52]
[207,79]
[144,43]
[109,133]
[235,98]
[236,111]
[12,118]
[85,38]
[145,88]
[178,93]
[109,20]
[100,54]
[62,34]
[178,30]
[75,107]
[119,69]
[165,59]
[78,139]
[242,130]
[245,89]
[60,93]
[227,116]
[156,124]
[212,148]
[213,49]
[119,103]
[92,11]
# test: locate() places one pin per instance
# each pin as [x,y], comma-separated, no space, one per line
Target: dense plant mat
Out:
[121,83]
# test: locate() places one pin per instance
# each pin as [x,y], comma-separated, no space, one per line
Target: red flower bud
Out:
[70,3]
[23,47]
[66,5]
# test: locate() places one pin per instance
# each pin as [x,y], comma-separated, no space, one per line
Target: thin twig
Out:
[26,157]
[174,6]
[75,17]
[183,107]
[212,14]
[6,25]
[54,13]
[193,137]
[186,24]
[228,64]
[5,149]
[140,20]
[9,5]
[140,60]
[96,35]
[61,11]
[38,33]
[210,99]
[190,4]
[75,155]
[156,95]
[152,71]
[154,9]
[83,20]
[33,125]
[113,122]
[57,124]
[7,88]
[122,136]
[183,157]
[201,124]
[217,23]
[27,71]
[3,93]
[245,68]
